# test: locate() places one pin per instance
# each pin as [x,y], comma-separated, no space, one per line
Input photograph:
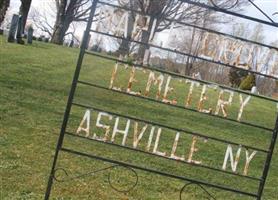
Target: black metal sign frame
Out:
[269,152]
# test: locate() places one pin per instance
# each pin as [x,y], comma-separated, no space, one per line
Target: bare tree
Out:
[68,11]
[188,39]
[41,21]
[161,10]
[125,45]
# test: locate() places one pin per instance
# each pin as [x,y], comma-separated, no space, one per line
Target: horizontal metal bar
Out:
[191,25]
[185,54]
[225,34]
[171,128]
[157,172]
[202,5]
[168,158]
[177,106]
[182,76]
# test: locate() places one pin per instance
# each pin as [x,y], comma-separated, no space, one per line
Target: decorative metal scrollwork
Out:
[110,179]
[131,187]
[209,195]
[231,4]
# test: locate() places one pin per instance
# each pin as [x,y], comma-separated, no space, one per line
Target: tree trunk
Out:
[3,8]
[124,48]
[24,10]
[60,29]
[125,44]
[62,24]
[189,62]
[145,39]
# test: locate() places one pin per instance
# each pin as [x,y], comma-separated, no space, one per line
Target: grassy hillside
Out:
[34,85]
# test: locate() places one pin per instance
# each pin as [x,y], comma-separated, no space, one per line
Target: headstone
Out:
[30,35]
[41,38]
[19,31]
[197,76]
[71,43]
[254,90]
[13,28]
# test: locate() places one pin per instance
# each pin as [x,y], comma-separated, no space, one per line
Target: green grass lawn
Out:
[34,84]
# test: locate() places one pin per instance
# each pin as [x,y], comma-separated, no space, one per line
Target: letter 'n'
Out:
[234,162]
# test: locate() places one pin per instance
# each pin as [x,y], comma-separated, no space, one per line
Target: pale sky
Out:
[269,6]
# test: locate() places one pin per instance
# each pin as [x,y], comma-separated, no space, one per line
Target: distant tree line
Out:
[68,12]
